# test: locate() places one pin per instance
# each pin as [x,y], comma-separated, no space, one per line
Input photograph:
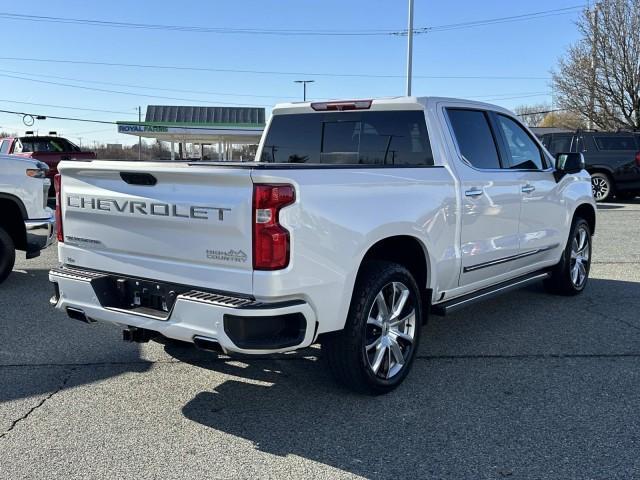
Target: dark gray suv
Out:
[612,159]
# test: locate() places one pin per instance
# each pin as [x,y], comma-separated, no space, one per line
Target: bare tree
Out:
[532,115]
[599,77]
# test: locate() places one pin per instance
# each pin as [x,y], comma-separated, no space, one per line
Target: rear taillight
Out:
[58,186]
[638,159]
[270,239]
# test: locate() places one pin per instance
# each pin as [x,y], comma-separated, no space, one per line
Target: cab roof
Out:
[379,104]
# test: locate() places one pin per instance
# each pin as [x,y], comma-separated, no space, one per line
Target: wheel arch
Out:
[586,211]
[600,169]
[409,252]
[17,202]
[12,220]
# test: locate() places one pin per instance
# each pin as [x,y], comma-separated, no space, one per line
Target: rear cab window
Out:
[376,138]
[4,146]
[475,138]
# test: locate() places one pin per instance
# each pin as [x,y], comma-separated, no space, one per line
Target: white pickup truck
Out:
[356,219]
[26,223]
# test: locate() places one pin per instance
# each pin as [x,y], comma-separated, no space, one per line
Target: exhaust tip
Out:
[208,344]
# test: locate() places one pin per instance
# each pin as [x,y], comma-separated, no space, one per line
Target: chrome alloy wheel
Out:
[600,187]
[580,255]
[391,329]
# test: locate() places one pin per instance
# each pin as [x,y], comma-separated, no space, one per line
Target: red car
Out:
[48,149]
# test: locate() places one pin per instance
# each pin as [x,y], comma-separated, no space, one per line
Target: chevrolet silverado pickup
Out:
[356,220]
[26,223]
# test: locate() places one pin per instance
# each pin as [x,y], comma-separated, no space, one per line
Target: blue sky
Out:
[526,48]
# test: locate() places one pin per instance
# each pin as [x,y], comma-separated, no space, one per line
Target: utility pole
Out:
[410,48]
[593,16]
[304,87]
[139,136]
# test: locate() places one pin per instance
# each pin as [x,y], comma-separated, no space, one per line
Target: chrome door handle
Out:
[528,189]
[474,192]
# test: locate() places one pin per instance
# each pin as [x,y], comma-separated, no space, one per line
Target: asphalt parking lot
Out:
[524,386]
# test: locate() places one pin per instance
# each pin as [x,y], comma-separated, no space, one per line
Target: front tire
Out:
[376,349]
[571,274]
[7,254]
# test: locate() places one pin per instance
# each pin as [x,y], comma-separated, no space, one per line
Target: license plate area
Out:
[144,297]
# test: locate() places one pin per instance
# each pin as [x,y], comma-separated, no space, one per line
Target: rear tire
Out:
[376,349]
[7,254]
[570,275]
[602,187]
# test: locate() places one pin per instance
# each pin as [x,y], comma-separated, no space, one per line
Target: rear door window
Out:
[395,138]
[475,139]
[522,152]
[616,143]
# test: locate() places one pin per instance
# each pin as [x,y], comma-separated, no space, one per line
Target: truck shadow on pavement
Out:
[41,348]
[487,383]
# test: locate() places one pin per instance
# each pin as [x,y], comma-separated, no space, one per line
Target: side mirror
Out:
[568,163]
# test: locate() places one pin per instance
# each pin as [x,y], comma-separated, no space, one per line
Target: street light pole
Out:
[410,48]
[304,87]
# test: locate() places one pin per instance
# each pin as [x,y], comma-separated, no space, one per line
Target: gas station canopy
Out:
[220,126]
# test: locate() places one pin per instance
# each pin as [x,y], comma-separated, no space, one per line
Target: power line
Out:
[497,99]
[104,90]
[146,87]
[66,107]
[500,20]
[284,32]
[541,112]
[149,87]
[269,72]
[73,119]
[520,94]
[185,28]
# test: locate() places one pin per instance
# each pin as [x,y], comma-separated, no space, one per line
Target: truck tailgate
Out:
[175,222]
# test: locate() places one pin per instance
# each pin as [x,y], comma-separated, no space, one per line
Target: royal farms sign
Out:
[142,129]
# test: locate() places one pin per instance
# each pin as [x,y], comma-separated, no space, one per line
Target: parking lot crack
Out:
[44,400]
[608,316]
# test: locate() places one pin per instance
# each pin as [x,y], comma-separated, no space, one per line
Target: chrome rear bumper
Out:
[235,323]
[40,234]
